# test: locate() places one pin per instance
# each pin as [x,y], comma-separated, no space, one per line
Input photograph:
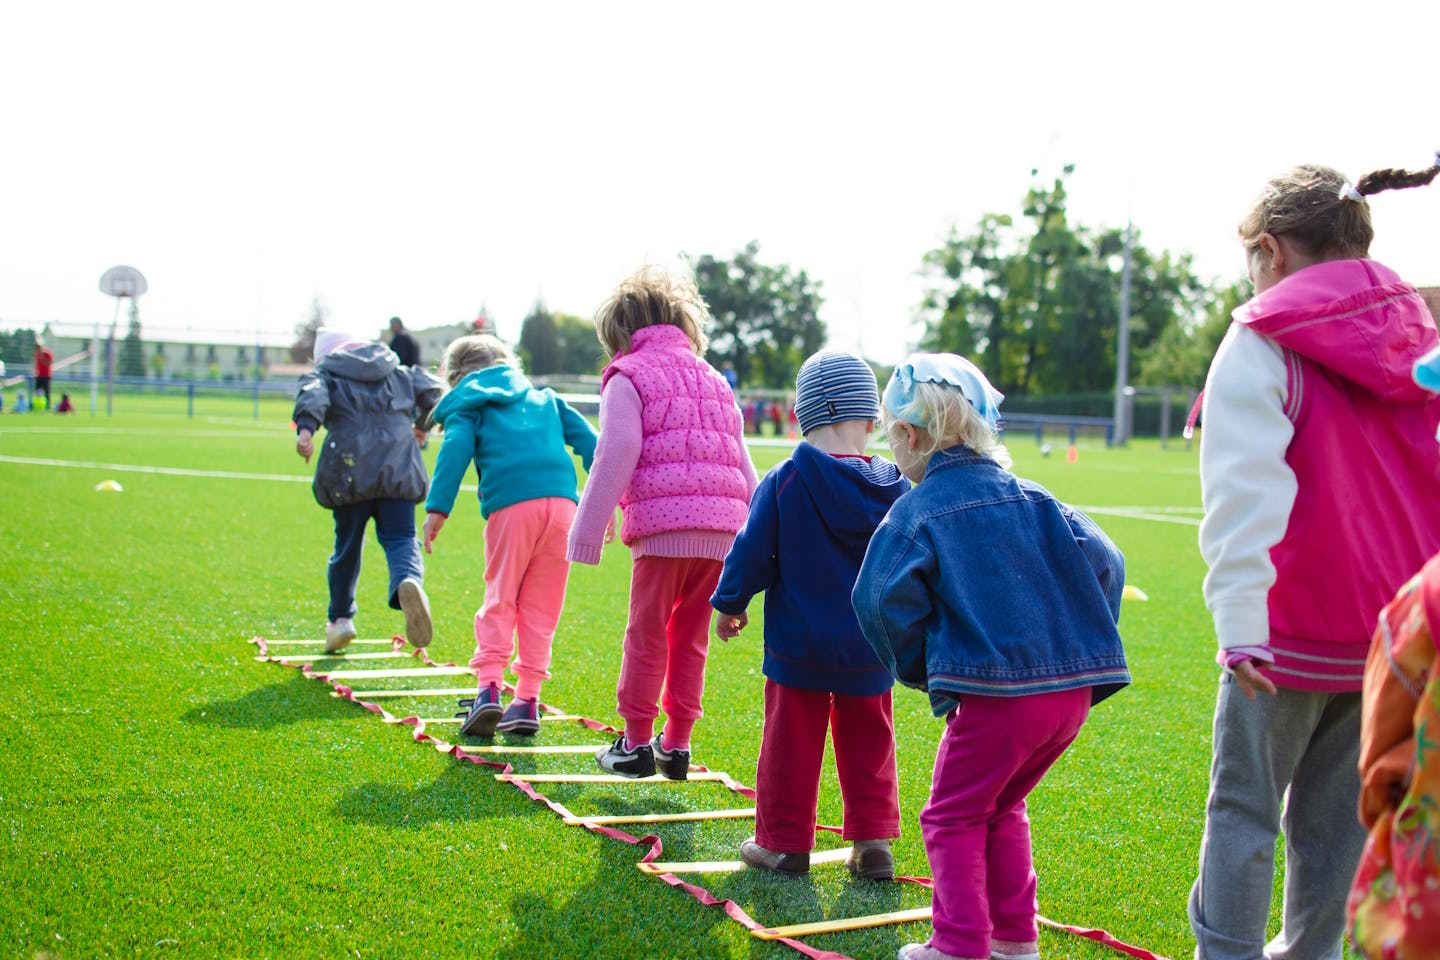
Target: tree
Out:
[303,348]
[562,343]
[1182,354]
[17,348]
[130,361]
[767,316]
[1035,304]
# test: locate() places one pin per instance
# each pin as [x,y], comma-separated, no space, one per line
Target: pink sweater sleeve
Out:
[616,454]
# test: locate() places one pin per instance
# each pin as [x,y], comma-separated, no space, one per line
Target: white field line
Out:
[1157,514]
[142,432]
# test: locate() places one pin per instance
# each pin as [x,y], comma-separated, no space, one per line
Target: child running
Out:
[672,455]
[516,435]
[369,467]
[1001,602]
[1395,899]
[1317,468]
[810,522]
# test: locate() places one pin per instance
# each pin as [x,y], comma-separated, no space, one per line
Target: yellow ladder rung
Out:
[687,816]
[392,674]
[321,643]
[710,775]
[589,748]
[838,855]
[312,657]
[431,692]
[843,925]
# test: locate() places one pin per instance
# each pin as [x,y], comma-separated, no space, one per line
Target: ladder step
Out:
[688,816]
[588,748]
[551,717]
[841,926]
[312,657]
[429,692]
[392,674]
[708,775]
[838,855]
[321,643]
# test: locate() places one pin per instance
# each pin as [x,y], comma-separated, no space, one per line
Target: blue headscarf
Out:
[1427,371]
[946,368]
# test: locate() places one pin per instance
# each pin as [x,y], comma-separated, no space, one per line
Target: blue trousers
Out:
[394,528]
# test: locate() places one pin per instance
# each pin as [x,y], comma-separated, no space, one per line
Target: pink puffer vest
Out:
[689,476]
[1367,511]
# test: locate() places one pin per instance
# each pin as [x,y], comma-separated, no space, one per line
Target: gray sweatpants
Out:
[1306,742]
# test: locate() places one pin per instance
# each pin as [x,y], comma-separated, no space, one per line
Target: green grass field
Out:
[160,791]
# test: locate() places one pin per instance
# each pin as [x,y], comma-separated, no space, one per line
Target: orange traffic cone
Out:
[1073,454]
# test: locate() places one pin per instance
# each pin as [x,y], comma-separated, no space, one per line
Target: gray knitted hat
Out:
[834,386]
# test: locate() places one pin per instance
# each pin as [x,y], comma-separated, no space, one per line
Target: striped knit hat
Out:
[834,386]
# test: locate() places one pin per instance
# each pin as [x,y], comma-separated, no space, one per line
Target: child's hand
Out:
[433,523]
[305,444]
[420,435]
[728,625]
[1251,680]
[612,527]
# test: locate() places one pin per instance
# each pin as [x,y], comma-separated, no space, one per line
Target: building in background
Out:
[434,340]
[1432,297]
[182,359]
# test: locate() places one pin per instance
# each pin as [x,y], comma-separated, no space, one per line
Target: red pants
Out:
[792,748]
[666,643]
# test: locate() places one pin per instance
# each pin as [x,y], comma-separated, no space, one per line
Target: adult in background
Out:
[404,345]
[43,361]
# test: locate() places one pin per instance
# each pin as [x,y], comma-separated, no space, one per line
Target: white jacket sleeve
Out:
[1246,485]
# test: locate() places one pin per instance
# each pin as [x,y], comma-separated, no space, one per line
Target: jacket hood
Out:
[500,384]
[1355,318]
[367,361]
[850,501]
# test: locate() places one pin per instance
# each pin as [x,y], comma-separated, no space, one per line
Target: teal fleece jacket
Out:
[515,434]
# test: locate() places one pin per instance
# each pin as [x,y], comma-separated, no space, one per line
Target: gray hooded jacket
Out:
[368,404]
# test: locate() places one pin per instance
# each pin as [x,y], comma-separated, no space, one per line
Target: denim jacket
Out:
[981,583]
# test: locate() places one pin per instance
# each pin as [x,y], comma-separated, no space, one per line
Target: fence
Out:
[183,393]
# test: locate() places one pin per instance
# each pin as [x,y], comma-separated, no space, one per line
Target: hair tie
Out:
[1348,192]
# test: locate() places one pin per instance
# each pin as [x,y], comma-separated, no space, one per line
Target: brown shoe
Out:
[757,856]
[871,860]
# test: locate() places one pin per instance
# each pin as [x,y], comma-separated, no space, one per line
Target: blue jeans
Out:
[394,528]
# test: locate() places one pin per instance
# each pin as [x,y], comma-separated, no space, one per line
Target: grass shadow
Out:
[265,708]
[451,798]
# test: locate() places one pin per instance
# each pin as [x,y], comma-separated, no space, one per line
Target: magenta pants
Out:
[993,753]
[525,575]
[666,643]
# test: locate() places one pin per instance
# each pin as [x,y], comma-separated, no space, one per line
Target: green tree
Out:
[1182,354]
[1035,303]
[130,361]
[767,316]
[553,342]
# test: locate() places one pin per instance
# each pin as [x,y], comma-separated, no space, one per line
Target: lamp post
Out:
[1123,396]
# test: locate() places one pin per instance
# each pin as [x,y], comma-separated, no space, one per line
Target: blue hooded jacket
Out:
[515,434]
[810,521]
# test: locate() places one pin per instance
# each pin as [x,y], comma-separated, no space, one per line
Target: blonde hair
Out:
[647,298]
[471,353]
[948,420]
[1308,204]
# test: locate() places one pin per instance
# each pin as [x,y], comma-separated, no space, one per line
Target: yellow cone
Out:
[1132,592]
[109,486]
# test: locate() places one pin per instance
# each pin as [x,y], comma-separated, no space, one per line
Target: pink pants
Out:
[525,574]
[993,753]
[792,748]
[666,643]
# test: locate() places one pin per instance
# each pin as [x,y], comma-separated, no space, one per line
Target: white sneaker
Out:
[418,628]
[338,634]
[1011,950]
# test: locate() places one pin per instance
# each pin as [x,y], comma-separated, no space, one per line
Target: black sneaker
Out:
[675,764]
[634,763]
[522,717]
[484,712]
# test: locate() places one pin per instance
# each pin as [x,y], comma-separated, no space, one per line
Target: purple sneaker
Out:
[484,712]
[522,717]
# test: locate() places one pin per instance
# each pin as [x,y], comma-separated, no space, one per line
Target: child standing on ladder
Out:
[516,435]
[810,521]
[1317,469]
[672,455]
[1000,602]
[369,468]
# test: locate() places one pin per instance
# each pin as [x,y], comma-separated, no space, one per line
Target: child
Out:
[516,435]
[1396,894]
[65,405]
[369,466]
[672,455]
[1001,603]
[1315,436]
[809,524]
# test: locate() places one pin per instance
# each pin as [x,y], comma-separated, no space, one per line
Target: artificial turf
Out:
[160,791]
